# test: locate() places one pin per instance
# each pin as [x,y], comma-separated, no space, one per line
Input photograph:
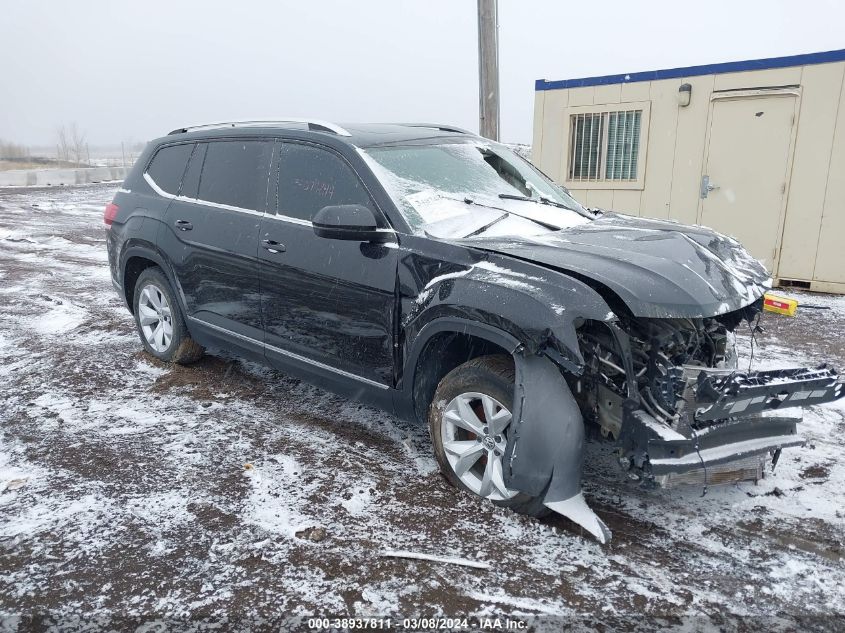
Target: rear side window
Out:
[235,173]
[311,178]
[168,166]
[191,179]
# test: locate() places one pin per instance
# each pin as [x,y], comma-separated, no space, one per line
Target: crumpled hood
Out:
[659,269]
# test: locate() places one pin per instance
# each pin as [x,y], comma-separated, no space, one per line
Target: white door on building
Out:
[746,168]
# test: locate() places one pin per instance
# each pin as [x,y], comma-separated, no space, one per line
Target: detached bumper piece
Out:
[753,392]
[732,422]
[724,443]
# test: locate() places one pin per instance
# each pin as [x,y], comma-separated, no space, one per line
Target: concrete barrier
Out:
[48,177]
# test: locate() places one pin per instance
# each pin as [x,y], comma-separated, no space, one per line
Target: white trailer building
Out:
[754,149]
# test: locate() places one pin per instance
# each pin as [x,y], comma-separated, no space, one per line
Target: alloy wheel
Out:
[156,318]
[474,430]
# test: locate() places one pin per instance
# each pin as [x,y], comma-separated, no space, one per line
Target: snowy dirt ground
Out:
[133,488]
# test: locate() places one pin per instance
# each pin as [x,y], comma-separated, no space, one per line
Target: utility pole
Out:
[488,69]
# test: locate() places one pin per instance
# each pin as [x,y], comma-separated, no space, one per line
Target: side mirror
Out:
[353,222]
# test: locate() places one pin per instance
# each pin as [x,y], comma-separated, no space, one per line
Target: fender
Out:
[463,326]
[149,251]
[536,306]
[532,313]
[404,401]
[544,456]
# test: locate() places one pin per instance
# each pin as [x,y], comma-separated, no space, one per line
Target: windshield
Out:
[467,189]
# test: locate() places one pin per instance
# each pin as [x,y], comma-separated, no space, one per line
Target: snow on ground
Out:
[133,489]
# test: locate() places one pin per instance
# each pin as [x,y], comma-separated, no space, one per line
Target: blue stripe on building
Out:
[694,71]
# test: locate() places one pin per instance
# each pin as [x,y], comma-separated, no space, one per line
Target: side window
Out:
[311,178]
[168,166]
[191,179]
[236,173]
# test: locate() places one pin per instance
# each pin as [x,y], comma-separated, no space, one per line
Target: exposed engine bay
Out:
[660,349]
[671,395]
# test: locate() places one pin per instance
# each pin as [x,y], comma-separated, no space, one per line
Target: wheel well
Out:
[441,354]
[133,269]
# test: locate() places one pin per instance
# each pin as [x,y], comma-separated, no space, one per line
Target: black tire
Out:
[182,349]
[495,377]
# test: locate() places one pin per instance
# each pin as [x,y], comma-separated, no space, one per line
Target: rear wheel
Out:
[159,320]
[469,421]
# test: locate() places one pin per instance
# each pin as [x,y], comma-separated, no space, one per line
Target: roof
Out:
[370,134]
[357,134]
[693,71]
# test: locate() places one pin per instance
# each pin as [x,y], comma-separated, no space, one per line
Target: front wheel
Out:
[159,320]
[469,421]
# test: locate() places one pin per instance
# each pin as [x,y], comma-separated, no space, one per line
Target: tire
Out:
[490,377]
[163,332]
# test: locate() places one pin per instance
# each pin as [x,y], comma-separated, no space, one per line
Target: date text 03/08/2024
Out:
[418,624]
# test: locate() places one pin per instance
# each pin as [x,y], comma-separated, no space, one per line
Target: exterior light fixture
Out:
[684,95]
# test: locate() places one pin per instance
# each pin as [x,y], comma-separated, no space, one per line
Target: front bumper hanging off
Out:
[730,416]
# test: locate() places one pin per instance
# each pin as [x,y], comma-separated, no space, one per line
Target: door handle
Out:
[273,246]
[184,225]
[706,186]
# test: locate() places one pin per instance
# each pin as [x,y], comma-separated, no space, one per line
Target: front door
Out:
[211,234]
[328,305]
[746,168]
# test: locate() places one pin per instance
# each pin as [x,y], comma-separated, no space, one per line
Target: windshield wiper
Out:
[543,200]
[508,212]
[540,199]
[486,226]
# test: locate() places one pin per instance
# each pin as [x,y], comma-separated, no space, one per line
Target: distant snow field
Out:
[132,489]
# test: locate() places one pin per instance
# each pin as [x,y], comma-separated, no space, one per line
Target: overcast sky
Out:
[134,70]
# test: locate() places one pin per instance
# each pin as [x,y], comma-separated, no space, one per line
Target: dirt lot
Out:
[131,489]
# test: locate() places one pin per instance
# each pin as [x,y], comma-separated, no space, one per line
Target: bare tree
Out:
[71,144]
[62,144]
[12,151]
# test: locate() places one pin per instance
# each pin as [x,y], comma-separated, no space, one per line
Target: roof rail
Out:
[313,124]
[438,126]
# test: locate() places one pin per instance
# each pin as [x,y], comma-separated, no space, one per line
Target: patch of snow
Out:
[518,606]
[445,276]
[59,320]
[266,508]
[358,501]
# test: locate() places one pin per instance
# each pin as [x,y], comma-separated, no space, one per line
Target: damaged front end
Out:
[670,394]
[728,424]
[651,361]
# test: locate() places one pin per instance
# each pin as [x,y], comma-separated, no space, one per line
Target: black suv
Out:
[441,277]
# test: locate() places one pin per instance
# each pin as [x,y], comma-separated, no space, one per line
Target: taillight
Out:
[110,213]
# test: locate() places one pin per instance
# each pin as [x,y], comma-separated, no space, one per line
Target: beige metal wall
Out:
[811,223]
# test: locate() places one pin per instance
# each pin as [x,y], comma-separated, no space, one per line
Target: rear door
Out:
[328,305]
[211,235]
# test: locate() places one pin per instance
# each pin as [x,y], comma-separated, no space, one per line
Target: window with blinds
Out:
[604,145]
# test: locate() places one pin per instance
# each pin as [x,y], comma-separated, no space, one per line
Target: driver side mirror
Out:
[353,222]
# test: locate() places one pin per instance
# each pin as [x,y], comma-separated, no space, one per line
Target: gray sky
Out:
[134,70]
